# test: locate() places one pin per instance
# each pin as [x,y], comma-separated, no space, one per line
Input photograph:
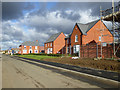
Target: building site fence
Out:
[92,51]
[109,11]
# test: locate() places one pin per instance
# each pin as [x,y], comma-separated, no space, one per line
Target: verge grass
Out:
[38,57]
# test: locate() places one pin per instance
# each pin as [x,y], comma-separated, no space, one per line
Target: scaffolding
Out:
[113,15]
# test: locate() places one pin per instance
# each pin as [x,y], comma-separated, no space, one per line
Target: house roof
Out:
[15,48]
[68,36]
[86,27]
[53,37]
[31,43]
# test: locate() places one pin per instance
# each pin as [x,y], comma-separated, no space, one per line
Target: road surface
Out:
[19,74]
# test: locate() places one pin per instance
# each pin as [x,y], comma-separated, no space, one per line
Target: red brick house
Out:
[29,47]
[55,43]
[41,49]
[83,34]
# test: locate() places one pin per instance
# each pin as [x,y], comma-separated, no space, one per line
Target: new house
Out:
[29,47]
[83,34]
[55,43]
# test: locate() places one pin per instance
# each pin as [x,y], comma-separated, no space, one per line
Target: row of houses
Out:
[28,47]
[60,43]
[82,34]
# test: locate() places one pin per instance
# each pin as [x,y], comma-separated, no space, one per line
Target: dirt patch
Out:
[111,65]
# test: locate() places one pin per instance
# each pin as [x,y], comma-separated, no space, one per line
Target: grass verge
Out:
[38,57]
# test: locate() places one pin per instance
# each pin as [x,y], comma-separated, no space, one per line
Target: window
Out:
[76,48]
[24,46]
[35,47]
[49,50]
[24,51]
[99,38]
[46,45]
[67,49]
[104,44]
[35,51]
[76,28]
[51,44]
[76,38]
[67,41]
[30,47]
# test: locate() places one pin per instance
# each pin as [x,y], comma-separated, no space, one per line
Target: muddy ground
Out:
[111,65]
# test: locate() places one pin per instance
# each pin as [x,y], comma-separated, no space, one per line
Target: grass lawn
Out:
[38,57]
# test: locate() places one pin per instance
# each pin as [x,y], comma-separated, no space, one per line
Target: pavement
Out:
[20,73]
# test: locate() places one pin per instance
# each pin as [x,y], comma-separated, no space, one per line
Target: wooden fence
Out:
[94,50]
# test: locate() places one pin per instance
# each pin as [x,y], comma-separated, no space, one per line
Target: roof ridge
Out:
[93,21]
[89,22]
[86,27]
[53,37]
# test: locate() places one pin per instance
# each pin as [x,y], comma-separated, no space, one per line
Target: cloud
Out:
[40,24]
[14,10]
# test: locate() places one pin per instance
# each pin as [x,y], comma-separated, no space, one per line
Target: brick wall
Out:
[94,50]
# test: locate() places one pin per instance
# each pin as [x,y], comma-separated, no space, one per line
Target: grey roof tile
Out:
[86,27]
[30,43]
[53,37]
[68,36]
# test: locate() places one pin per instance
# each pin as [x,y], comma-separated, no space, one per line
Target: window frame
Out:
[25,47]
[76,38]
[30,47]
[51,44]
[36,47]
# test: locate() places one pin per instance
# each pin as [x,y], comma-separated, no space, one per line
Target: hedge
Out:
[57,55]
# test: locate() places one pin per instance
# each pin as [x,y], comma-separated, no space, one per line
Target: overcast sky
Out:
[30,21]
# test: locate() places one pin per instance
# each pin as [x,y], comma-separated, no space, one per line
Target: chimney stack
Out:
[36,40]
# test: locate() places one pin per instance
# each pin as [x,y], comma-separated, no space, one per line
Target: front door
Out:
[30,51]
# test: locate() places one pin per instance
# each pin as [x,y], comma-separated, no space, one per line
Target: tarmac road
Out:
[19,74]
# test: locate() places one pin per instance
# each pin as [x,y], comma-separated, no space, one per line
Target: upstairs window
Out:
[46,45]
[99,38]
[30,47]
[35,47]
[76,38]
[24,46]
[76,28]
[51,44]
